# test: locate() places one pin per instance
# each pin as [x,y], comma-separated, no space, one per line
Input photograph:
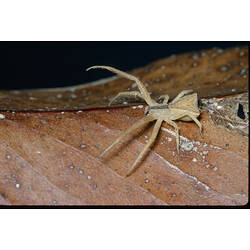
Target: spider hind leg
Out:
[147,147]
[136,125]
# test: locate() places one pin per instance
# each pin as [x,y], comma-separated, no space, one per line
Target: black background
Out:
[57,64]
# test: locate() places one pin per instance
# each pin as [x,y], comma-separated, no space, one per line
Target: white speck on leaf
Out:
[224,68]
[242,53]
[187,146]
[195,149]
[219,107]
[71,166]
[8,156]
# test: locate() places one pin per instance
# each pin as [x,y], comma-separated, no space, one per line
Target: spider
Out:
[184,107]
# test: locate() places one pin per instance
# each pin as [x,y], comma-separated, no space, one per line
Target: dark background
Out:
[57,64]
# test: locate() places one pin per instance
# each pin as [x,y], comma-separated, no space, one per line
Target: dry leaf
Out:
[231,113]
[50,158]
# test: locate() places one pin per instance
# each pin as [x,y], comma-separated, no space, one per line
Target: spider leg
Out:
[165,98]
[177,133]
[127,93]
[195,120]
[136,125]
[140,85]
[146,110]
[181,94]
[146,148]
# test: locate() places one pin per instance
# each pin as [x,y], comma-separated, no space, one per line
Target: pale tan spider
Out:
[183,108]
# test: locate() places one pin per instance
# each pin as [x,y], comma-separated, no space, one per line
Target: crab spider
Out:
[184,107]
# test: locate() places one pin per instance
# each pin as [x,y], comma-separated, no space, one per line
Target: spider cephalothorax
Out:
[184,107]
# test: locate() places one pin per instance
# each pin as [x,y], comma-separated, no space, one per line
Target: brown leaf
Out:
[50,158]
[230,113]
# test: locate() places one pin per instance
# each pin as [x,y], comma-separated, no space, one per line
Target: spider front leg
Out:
[165,98]
[176,132]
[148,145]
[140,85]
[127,93]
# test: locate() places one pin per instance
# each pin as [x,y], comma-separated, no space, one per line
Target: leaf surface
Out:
[51,158]
[50,140]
